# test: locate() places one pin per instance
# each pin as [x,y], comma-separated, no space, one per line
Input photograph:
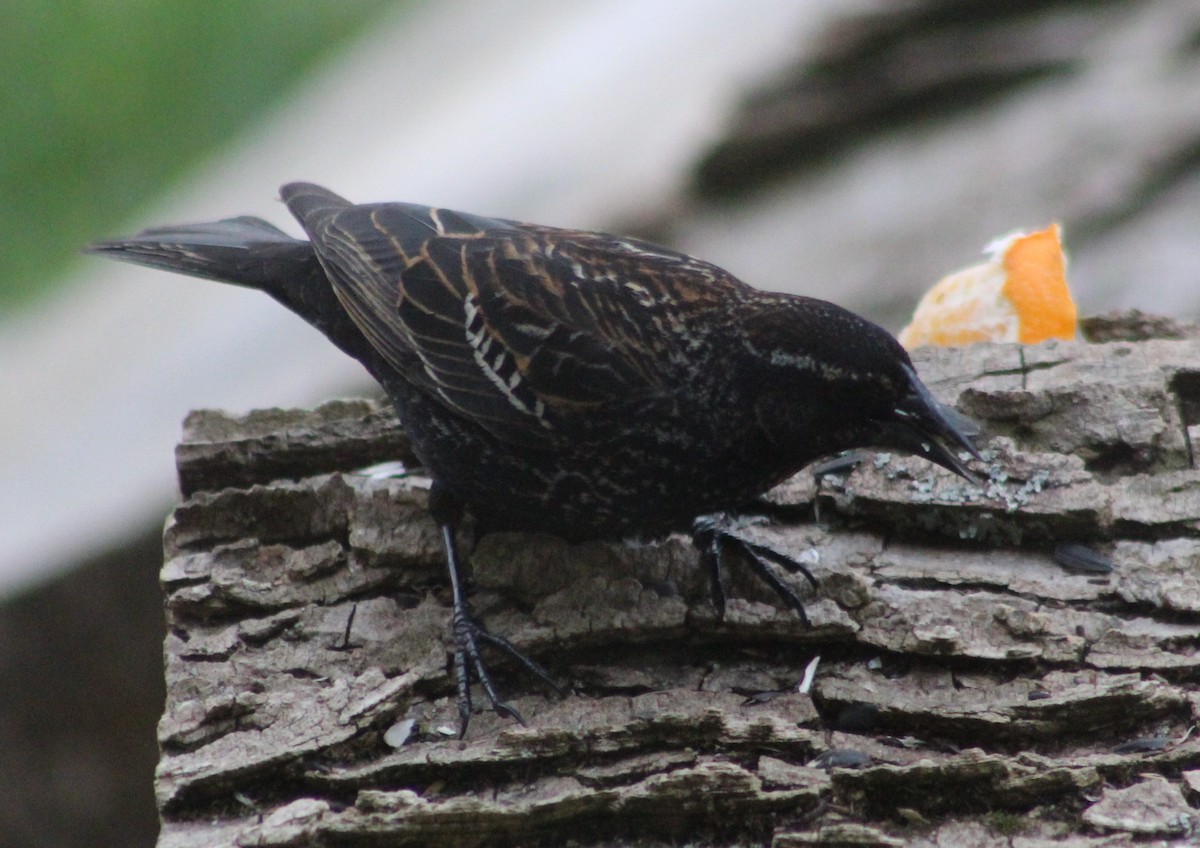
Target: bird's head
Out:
[831,381]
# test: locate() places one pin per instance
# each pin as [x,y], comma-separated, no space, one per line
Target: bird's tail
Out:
[244,251]
[250,252]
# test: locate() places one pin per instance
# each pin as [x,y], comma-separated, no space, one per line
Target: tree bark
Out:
[970,690]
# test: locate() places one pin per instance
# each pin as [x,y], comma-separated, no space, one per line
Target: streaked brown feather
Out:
[521,329]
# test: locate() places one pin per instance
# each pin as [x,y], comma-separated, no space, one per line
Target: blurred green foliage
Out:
[105,102]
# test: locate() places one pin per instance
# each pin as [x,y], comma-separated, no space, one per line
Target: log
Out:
[1016,659]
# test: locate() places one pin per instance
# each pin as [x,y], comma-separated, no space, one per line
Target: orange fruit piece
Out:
[1019,295]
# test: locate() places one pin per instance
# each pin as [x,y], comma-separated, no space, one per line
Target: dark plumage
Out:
[574,383]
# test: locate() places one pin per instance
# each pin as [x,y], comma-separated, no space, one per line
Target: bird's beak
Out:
[922,426]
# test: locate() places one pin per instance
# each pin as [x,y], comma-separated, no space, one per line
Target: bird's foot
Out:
[469,634]
[715,535]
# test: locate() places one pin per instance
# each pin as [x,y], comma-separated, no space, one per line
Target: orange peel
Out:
[1019,295]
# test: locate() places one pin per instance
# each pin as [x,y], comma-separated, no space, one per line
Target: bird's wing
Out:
[524,330]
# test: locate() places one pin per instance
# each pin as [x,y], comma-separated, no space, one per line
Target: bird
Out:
[575,383]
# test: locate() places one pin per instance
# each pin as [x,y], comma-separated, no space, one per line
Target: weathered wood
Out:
[980,689]
[221,450]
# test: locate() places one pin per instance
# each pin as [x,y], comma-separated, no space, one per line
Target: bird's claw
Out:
[468,664]
[714,535]
[468,633]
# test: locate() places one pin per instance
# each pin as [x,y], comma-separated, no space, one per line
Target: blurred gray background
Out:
[854,151]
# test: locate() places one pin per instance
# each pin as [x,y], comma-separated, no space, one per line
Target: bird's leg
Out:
[715,535]
[469,633]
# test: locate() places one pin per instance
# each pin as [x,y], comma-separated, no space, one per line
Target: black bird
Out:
[574,383]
